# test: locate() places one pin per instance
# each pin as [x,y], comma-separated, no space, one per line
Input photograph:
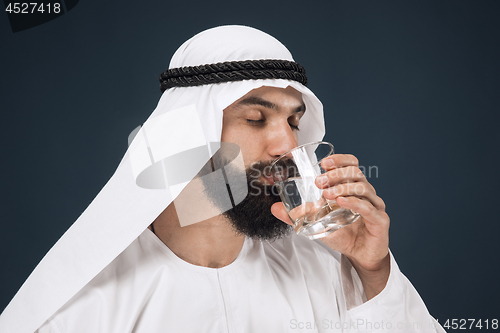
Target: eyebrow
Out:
[253,100]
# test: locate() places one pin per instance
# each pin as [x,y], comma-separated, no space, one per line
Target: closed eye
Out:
[255,122]
[261,121]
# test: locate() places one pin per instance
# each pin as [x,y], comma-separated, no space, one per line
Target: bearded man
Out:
[150,255]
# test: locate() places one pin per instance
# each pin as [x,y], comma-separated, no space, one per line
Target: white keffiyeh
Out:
[185,119]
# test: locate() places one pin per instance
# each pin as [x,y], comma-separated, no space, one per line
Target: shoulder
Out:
[124,281]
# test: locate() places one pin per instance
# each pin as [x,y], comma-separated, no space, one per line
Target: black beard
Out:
[252,217]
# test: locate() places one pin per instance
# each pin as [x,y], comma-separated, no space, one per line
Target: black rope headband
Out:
[232,71]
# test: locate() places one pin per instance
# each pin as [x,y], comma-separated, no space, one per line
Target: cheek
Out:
[232,134]
[247,141]
[249,146]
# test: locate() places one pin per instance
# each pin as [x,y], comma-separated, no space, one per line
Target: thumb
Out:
[279,211]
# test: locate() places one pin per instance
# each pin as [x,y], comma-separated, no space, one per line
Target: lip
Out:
[268,180]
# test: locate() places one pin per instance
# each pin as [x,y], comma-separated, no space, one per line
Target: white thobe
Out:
[290,285]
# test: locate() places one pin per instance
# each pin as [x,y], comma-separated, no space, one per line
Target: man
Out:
[236,270]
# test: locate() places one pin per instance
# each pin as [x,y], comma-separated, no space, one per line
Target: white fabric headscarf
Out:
[185,119]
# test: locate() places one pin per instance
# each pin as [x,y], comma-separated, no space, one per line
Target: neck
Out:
[210,243]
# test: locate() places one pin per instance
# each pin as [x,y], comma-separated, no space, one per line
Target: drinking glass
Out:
[294,174]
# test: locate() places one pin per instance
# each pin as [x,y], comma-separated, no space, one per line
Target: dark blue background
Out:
[408,87]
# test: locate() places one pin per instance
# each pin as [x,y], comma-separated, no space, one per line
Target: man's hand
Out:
[365,242]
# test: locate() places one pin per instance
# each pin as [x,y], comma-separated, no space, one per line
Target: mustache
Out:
[280,168]
[258,169]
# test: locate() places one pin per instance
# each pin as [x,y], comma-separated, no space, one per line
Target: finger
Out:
[361,190]
[340,175]
[374,219]
[339,161]
[279,211]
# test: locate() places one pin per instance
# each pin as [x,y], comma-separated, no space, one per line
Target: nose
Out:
[281,140]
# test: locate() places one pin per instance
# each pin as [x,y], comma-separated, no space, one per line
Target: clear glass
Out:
[294,174]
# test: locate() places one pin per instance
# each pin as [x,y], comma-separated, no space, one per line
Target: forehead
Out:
[276,98]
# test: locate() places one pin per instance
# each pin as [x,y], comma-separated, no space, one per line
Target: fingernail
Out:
[328,162]
[321,180]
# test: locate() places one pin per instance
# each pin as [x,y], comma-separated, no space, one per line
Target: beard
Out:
[252,217]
